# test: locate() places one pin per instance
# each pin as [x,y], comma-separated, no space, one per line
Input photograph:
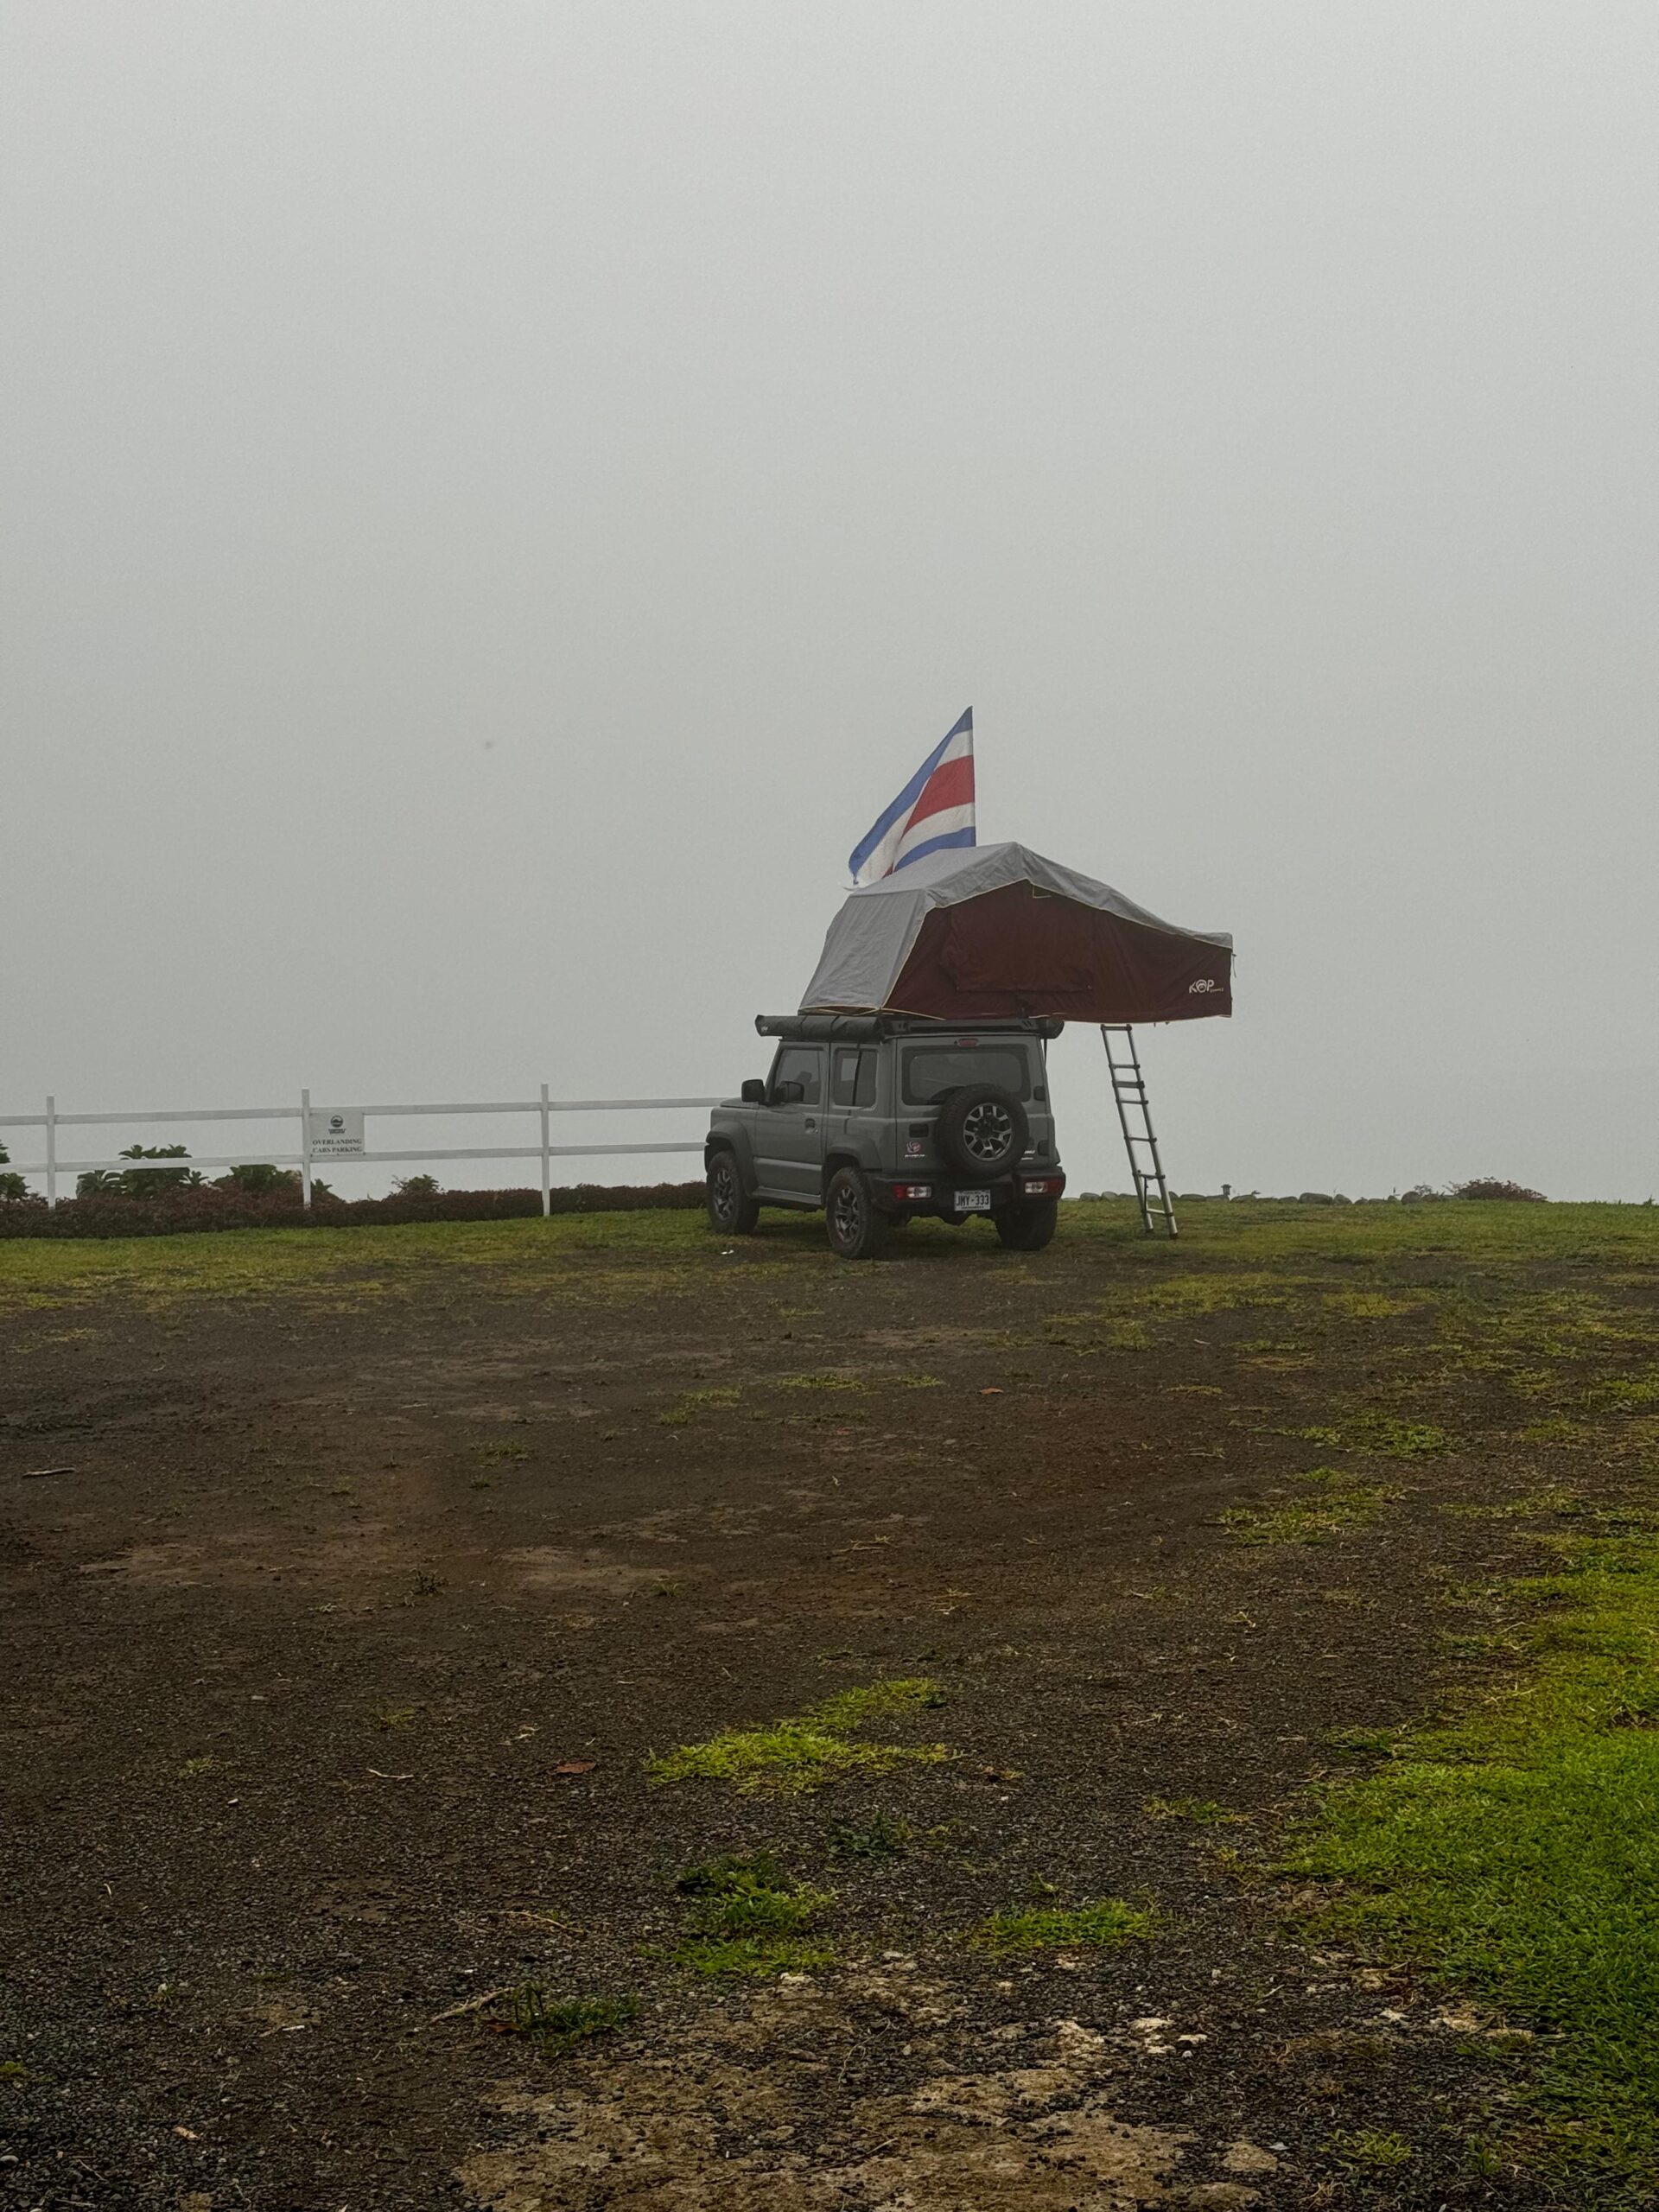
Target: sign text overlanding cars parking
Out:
[337,1135]
[914,1077]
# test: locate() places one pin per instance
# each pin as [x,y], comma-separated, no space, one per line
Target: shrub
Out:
[1490,1186]
[141,1182]
[416,1186]
[12,1187]
[110,1212]
[259,1176]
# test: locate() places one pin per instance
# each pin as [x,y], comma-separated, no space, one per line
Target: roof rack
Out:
[865,1028]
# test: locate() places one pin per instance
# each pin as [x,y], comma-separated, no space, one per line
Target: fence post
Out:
[547,1159]
[305,1145]
[51,1152]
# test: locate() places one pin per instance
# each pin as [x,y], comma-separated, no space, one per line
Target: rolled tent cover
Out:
[998,931]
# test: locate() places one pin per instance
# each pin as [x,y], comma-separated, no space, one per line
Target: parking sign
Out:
[336,1133]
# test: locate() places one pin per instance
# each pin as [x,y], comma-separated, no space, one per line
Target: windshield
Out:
[931,1070]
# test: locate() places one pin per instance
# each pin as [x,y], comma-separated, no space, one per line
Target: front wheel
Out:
[856,1231]
[732,1211]
[1028,1226]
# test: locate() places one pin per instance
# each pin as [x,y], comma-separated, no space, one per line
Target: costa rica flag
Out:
[935,810]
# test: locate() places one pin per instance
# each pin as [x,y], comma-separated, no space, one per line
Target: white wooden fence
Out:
[314,1147]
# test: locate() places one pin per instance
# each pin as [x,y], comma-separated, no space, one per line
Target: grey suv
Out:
[880,1117]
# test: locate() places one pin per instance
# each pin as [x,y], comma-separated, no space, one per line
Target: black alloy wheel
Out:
[856,1229]
[732,1211]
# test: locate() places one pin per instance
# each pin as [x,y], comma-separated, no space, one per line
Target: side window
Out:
[847,1084]
[802,1064]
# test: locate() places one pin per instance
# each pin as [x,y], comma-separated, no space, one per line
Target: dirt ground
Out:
[350,1581]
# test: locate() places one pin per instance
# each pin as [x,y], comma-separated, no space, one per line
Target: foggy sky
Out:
[497,498]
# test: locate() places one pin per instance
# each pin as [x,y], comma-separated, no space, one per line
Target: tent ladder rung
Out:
[1134,1118]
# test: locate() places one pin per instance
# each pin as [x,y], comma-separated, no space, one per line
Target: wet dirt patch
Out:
[547,1567]
[696,2126]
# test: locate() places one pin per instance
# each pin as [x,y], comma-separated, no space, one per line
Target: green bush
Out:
[259,1176]
[141,1182]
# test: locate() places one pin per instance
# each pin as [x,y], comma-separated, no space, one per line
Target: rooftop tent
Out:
[998,931]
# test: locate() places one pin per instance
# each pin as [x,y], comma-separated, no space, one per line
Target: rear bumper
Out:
[939,1195]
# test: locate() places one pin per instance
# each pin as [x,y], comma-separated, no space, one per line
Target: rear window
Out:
[931,1070]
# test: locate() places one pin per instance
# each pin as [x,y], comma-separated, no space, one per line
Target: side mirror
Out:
[789,1094]
[754,1092]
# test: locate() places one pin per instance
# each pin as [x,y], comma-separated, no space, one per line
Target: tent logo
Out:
[1203,983]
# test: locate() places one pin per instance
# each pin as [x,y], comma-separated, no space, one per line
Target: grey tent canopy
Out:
[996,931]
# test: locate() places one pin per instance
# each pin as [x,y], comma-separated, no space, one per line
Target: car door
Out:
[788,1132]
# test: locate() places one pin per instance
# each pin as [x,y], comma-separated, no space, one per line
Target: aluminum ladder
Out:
[1140,1139]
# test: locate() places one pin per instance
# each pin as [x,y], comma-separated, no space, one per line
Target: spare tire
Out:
[982,1131]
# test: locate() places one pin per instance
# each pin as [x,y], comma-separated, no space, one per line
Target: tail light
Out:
[913,1190]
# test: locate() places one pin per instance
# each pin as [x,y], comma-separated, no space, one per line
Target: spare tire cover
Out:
[981,1130]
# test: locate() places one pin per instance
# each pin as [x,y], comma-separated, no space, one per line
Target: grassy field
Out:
[648,1252]
[1183,1718]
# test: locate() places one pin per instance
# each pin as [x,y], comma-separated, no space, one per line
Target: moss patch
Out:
[1516,1854]
[1097,1925]
[555,2024]
[750,1919]
[1339,1504]
[1199,1812]
[692,1402]
[1381,1435]
[808,1750]
[1371,2149]
[879,1837]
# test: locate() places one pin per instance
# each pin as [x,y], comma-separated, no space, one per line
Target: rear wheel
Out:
[856,1229]
[732,1211]
[1029,1225]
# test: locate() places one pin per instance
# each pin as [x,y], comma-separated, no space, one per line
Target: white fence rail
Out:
[318,1144]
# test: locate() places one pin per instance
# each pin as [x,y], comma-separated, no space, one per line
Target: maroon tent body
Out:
[996,931]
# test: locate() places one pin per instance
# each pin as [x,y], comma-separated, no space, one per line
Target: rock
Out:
[1315,1199]
[1247,2158]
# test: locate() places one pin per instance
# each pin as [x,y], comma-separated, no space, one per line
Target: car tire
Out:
[1028,1226]
[856,1229]
[982,1131]
[732,1211]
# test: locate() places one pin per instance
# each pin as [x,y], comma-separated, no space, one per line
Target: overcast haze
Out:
[497,498]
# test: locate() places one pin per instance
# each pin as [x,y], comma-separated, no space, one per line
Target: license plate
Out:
[973,1202]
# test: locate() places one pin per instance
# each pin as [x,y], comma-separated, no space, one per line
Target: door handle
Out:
[810,1124]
